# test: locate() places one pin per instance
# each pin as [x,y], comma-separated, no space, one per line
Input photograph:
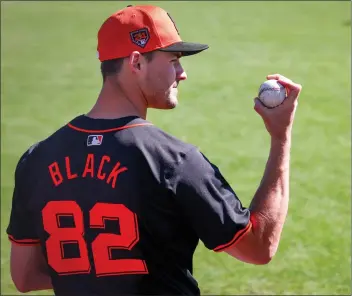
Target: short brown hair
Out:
[113,67]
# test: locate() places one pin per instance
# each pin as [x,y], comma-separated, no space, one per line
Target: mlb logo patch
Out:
[94,140]
[140,37]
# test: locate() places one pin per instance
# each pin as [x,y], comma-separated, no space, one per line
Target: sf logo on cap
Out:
[140,37]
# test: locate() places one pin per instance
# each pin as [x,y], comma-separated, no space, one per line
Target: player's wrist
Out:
[281,140]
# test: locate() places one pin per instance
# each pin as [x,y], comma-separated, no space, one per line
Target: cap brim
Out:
[186,48]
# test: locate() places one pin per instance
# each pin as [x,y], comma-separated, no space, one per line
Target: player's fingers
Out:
[293,89]
[273,76]
[277,77]
[282,79]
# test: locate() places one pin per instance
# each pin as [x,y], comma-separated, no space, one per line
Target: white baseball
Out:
[272,93]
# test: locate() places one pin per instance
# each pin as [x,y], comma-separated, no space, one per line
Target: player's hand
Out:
[279,120]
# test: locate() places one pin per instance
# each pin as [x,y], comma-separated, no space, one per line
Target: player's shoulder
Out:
[156,141]
[160,138]
[35,151]
[26,154]
[25,157]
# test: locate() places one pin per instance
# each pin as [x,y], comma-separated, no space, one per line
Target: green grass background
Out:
[50,73]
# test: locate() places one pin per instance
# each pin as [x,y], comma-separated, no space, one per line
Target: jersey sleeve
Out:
[208,201]
[21,229]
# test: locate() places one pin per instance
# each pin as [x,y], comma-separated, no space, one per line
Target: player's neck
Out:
[113,103]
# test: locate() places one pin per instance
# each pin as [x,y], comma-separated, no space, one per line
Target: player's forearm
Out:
[270,203]
[38,281]
[33,277]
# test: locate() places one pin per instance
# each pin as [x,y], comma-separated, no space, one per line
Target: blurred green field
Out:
[50,73]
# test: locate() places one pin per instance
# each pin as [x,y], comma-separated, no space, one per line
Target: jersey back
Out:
[100,198]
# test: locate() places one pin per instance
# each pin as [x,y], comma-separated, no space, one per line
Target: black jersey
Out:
[118,207]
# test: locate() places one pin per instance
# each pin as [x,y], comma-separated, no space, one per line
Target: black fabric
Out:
[207,200]
[22,219]
[174,195]
[186,48]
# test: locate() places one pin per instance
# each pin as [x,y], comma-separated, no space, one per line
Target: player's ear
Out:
[136,62]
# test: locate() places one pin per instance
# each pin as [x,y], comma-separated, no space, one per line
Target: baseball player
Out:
[110,204]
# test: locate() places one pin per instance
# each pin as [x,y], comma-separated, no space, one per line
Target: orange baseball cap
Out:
[142,28]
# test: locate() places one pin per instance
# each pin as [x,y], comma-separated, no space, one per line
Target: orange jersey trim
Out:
[236,238]
[107,130]
[24,242]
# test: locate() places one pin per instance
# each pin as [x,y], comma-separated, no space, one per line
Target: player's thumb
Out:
[259,107]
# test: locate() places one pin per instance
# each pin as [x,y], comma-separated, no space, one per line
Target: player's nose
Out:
[180,73]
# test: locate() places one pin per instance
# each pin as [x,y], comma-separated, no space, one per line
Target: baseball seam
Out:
[269,88]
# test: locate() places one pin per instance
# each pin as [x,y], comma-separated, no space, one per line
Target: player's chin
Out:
[171,99]
[166,102]
[168,106]
[170,102]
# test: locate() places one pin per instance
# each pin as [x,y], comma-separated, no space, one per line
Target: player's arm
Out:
[27,264]
[270,203]
[213,209]
[268,209]
[29,270]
